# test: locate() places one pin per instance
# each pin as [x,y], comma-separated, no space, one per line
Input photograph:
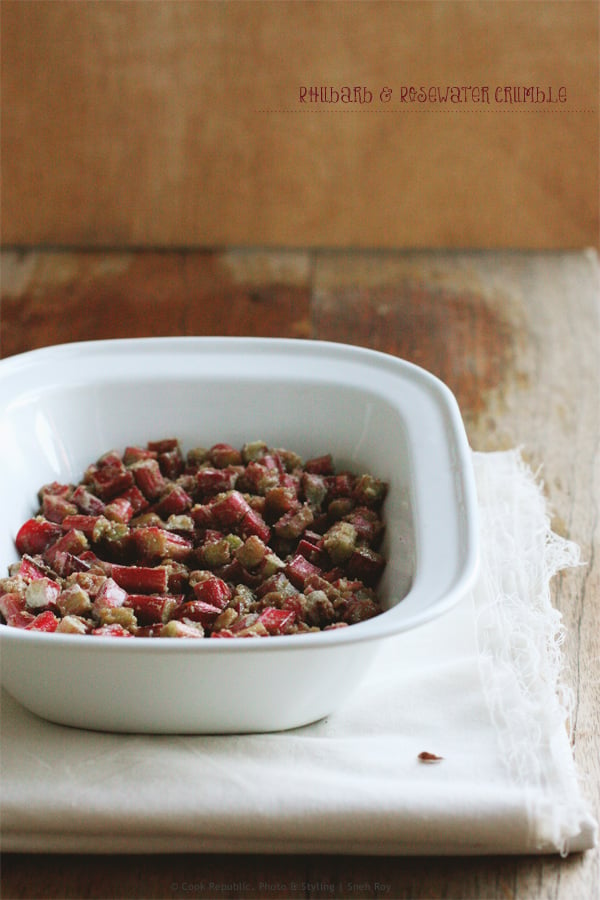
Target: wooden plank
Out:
[180,124]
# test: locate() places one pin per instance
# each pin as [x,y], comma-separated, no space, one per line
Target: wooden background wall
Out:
[178,123]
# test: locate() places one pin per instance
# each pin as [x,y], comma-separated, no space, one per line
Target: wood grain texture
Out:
[515,335]
[179,124]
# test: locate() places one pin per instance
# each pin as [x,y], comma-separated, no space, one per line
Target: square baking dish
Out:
[61,407]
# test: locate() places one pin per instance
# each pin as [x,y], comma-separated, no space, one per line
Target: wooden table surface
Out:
[515,335]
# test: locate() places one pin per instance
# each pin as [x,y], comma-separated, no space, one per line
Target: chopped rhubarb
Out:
[141,579]
[211,481]
[221,542]
[212,590]
[111,480]
[55,507]
[253,523]
[110,594]
[154,543]
[35,535]
[149,609]
[45,621]
[114,630]
[119,510]
[148,478]
[276,621]
[42,594]
[198,611]
[298,569]
[229,509]
[319,465]
[223,455]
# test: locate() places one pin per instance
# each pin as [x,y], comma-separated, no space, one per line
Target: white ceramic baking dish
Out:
[63,406]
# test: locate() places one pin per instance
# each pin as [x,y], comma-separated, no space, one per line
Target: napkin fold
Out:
[480,687]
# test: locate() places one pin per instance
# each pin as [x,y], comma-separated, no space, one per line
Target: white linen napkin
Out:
[479,687]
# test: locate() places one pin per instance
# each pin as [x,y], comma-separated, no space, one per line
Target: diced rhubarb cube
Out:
[223,455]
[45,621]
[276,621]
[310,551]
[148,478]
[56,488]
[110,459]
[111,480]
[370,491]
[12,607]
[253,523]
[229,509]
[29,569]
[119,510]
[73,541]
[136,498]
[55,507]
[35,535]
[298,569]
[176,629]
[197,611]
[135,454]
[259,478]
[202,516]
[74,601]
[141,579]
[223,633]
[110,595]
[174,502]
[280,500]
[366,564]
[83,523]
[86,502]
[213,590]
[115,630]
[320,465]
[367,523]
[153,543]
[164,445]
[42,594]
[211,481]
[171,463]
[292,524]
[314,488]
[149,609]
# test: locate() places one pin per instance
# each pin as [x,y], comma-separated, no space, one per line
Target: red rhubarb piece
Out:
[136,498]
[114,630]
[35,535]
[83,523]
[45,621]
[366,565]
[29,570]
[197,611]
[110,481]
[73,541]
[223,455]
[141,579]
[135,454]
[150,609]
[292,524]
[276,621]
[55,507]
[153,543]
[213,590]
[110,595]
[12,607]
[320,465]
[174,502]
[228,510]
[119,510]
[298,569]
[165,445]
[148,478]
[253,523]
[42,593]
[86,502]
[211,481]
